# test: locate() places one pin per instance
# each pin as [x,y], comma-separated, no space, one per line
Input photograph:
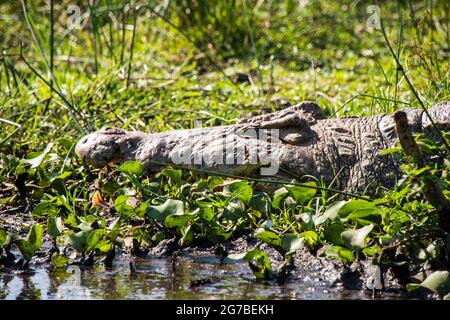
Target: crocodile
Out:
[295,142]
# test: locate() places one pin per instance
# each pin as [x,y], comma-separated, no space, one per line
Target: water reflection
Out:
[157,278]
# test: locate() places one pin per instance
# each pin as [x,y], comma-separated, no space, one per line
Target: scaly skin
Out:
[341,150]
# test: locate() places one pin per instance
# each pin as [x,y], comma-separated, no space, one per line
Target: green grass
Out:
[155,66]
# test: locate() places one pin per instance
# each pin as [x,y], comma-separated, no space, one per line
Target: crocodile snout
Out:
[100,148]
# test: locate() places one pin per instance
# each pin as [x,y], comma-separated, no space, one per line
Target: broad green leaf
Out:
[412,286]
[332,233]
[214,182]
[131,167]
[34,236]
[330,214]
[173,174]
[104,246]
[37,160]
[26,249]
[343,254]
[78,240]
[310,237]
[360,211]
[354,206]
[114,229]
[125,210]
[268,237]
[93,239]
[278,197]
[438,282]
[3,236]
[267,224]
[218,235]
[260,202]
[207,213]
[237,256]
[234,210]
[177,221]
[372,251]
[66,143]
[300,194]
[169,207]
[54,226]
[291,242]
[59,261]
[241,190]
[44,209]
[187,236]
[259,262]
[355,239]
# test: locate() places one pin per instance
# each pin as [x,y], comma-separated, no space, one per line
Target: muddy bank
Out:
[308,276]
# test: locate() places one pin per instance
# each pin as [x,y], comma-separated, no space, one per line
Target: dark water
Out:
[194,278]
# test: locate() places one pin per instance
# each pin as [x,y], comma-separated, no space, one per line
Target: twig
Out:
[431,190]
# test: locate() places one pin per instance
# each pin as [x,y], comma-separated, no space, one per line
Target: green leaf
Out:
[438,282]
[169,207]
[330,214]
[3,236]
[412,286]
[355,239]
[354,206]
[260,202]
[174,175]
[218,235]
[207,213]
[332,233]
[187,236]
[131,167]
[291,242]
[93,239]
[114,230]
[268,237]
[104,246]
[259,262]
[302,195]
[78,240]
[237,256]
[360,211]
[214,182]
[59,261]
[241,190]
[177,221]
[121,206]
[340,253]
[37,160]
[234,210]
[26,249]
[66,143]
[278,197]
[44,209]
[34,236]
[390,151]
[54,226]
[310,237]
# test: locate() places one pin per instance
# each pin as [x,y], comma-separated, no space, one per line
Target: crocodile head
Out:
[440,114]
[101,147]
